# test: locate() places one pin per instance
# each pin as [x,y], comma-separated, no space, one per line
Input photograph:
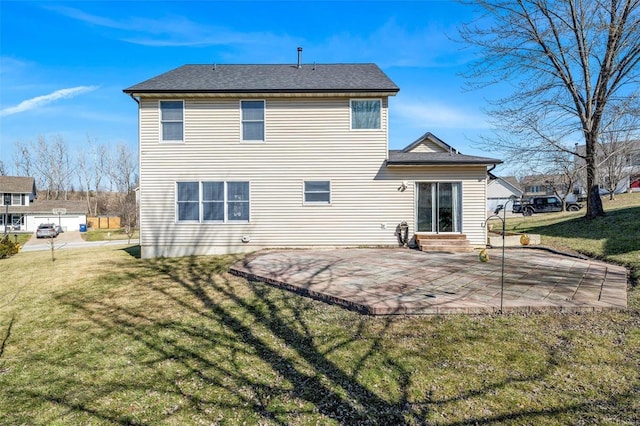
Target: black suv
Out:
[545,204]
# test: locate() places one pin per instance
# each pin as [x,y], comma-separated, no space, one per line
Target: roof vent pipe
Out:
[299,57]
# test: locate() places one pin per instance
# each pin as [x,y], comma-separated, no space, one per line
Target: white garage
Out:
[68,214]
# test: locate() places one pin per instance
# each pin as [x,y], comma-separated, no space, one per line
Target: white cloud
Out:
[39,101]
[170,30]
[426,115]
[392,44]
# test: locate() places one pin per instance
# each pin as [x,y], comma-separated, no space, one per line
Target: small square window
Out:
[365,114]
[317,192]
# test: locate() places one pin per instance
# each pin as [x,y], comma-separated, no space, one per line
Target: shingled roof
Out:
[402,158]
[47,206]
[17,184]
[319,78]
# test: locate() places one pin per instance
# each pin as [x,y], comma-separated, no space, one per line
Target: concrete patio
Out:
[402,281]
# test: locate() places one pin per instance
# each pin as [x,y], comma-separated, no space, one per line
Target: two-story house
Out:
[21,211]
[236,158]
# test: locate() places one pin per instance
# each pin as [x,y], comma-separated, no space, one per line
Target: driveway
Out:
[402,281]
[70,239]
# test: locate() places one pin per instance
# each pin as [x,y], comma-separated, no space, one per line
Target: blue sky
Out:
[63,65]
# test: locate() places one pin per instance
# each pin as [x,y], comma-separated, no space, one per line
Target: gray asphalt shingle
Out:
[269,78]
[17,184]
[401,158]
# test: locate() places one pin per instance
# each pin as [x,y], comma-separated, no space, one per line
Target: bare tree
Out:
[614,166]
[562,165]
[85,175]
[62,168]
[123,175]
[101,162]
[53,167]
[3,171]
[23,160]
[91,168]
[42,163]
[572,62]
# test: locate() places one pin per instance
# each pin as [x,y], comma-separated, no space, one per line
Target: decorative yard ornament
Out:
[483,255]
[525,240]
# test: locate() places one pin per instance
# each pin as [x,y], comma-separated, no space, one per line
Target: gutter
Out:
[133,97]
[396,163]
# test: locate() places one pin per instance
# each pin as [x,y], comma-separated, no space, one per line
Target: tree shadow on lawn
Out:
[619,228]
[211,346]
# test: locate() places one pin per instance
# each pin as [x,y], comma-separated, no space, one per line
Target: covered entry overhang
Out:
[449,192]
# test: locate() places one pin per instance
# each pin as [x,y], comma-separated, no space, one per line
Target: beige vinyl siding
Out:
[306,139]
[428,146]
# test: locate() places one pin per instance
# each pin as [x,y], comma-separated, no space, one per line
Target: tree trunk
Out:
[594,202]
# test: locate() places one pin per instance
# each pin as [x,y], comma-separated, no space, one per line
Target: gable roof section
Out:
[17,184]
[429,139]
[412,155]
[320,78]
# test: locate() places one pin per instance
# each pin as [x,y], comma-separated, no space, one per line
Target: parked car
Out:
[46,230]
[545,204]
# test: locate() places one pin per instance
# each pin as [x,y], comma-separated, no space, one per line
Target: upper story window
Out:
[10,199]
[172,119]
[252,120]
[365,114]
[317,192]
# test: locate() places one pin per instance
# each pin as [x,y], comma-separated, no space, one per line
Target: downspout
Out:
[139,174]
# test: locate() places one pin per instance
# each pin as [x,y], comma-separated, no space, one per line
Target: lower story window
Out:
[317,192]
[212,201]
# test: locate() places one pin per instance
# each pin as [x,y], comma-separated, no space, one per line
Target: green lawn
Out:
[614,238]
[107,234]
[102,337]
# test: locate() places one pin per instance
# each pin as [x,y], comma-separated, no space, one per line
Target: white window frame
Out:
[351,101]
[13,199]
[316,203]
[201,202]
[264,122]
[161,121]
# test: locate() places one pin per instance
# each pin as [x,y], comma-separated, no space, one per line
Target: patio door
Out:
[438,207]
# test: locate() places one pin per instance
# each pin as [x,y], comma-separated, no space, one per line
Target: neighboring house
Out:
[235,158]
[21,211]
[500,190]
[619,161]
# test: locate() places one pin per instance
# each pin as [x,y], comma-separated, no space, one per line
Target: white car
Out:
[46,230]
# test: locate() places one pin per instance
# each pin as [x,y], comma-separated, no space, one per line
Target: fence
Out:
[104,222]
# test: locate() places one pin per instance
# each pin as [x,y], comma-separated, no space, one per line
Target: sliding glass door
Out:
[438,207]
